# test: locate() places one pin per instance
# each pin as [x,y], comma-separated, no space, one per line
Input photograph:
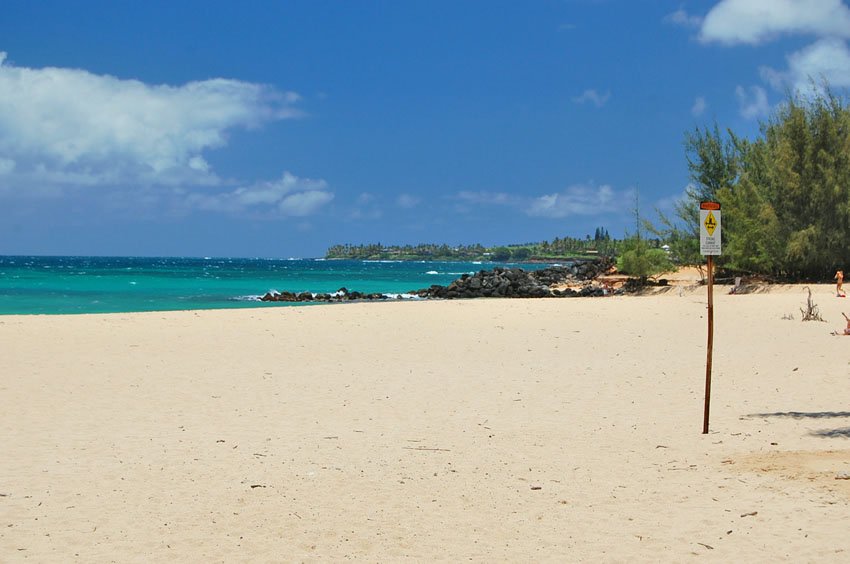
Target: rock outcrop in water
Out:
[518,283]
[497,283]
[341,295]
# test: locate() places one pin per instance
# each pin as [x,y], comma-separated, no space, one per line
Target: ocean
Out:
[67,285]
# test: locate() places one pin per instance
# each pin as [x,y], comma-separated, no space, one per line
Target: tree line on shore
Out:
[601,243]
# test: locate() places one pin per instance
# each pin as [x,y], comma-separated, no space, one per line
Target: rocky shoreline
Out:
[575,280]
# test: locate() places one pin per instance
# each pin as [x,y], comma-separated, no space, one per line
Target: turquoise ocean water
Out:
[51,285]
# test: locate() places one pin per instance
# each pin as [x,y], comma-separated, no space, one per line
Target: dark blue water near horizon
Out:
[63,285]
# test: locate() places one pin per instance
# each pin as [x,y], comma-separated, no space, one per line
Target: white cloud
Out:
[752,102]
[699,106]
[366,208]
[828,58]
[682,18]
[667,204]
[370,214]
[487,198]
[289,196]
[6,165]
[265,193]
[72,126]
[407,201]
[577,200]
[594,97]
[304,203]
[757,21]
[199,164]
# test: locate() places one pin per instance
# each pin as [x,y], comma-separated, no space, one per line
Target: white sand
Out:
[422,430]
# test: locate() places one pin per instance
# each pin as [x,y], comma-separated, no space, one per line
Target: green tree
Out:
[521,253]
[808,144]
[789,212]
[501,254]
[638,258]
[714,165]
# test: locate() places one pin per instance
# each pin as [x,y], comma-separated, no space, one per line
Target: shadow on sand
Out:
[803,414]
[842,432]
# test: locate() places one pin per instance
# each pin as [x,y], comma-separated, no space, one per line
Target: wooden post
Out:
[710,343]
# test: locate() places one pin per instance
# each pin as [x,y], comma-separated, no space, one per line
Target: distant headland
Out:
[565,248]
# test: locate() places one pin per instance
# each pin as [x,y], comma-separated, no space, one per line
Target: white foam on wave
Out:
[247,298]
[432,272]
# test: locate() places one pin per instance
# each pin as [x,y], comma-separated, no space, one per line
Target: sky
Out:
[280,128]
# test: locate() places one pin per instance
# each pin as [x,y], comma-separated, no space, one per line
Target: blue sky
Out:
[280,128]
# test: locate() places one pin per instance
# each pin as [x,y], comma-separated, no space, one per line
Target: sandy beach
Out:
[486,430]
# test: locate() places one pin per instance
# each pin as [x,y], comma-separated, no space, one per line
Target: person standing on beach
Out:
[839,277]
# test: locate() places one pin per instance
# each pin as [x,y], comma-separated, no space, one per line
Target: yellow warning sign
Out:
[710,223]
[710,227]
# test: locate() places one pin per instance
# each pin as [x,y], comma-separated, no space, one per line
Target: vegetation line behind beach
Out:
[564,248]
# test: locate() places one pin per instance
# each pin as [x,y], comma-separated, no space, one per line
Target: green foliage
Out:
[377,251]
[638,257]
[753,244]
[641,260]
[713,162]
[521,253]
[713,165]
[785,196]
[806,184]
[679,234]
[558,249]
[501,254]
